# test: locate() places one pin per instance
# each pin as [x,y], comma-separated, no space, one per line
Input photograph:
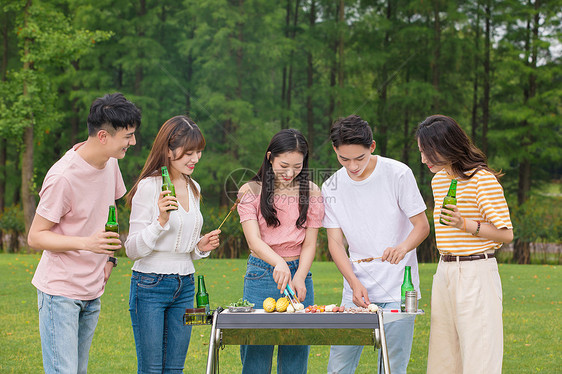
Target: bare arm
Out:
[487,231]
[107,269]
[41,237]
[281,273]
[338,252]
[420,231]
[308,252]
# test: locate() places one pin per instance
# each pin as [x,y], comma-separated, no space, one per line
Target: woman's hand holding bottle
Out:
[452,217]
[166,204]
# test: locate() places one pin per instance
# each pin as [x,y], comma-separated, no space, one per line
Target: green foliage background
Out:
[245,69]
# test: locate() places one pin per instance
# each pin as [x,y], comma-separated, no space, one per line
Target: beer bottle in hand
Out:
[407,285]
[167,184]
[450,199]
[112,224]
[202,296]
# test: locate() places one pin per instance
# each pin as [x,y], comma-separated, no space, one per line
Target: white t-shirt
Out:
[374,214]
[163,250]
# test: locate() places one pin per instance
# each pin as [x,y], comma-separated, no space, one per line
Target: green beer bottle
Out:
[167,184]
[112,224]
[407,285]
[202,296]
[450,199]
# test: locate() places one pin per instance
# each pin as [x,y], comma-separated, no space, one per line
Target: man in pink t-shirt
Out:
[69,227]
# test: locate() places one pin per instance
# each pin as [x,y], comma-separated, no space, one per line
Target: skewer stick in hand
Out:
[232,209]
[367,259]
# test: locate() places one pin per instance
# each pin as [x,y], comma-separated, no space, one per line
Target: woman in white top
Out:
[164,239]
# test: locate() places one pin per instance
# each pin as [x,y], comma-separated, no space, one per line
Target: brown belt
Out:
[481,256]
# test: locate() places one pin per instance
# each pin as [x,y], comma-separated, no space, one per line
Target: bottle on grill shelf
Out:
[202,296]
[407,285]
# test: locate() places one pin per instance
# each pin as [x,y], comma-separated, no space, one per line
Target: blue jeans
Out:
[399,335]
[66,327]
[157,304]
[258,286]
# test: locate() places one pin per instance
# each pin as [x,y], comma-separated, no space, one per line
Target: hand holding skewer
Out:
[369,259]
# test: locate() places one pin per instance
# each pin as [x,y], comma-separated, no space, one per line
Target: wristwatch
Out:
[113,260]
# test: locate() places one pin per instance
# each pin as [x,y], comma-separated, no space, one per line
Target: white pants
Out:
[466,334]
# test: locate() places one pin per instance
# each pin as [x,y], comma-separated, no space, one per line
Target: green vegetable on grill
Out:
[241,303]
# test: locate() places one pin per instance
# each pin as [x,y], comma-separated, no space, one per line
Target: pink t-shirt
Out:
[76,197]
[286,239]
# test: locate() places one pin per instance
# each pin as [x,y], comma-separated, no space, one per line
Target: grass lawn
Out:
[532,318]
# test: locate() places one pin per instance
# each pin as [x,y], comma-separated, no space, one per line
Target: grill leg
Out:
[213,355]
[384,351]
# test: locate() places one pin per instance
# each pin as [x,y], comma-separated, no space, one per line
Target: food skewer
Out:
[369,259]
[232,209]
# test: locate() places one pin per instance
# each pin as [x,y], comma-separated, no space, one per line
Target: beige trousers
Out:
[466,334]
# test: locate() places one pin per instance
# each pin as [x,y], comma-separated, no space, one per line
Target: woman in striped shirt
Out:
[466,334]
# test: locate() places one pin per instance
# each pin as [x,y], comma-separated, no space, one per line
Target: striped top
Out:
[481,199]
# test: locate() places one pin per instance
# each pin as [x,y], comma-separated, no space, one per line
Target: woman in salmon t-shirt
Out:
[280,212]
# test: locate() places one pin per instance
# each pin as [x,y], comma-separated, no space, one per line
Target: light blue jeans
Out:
[258,286]
[66,327]
[157,304]
[399,335]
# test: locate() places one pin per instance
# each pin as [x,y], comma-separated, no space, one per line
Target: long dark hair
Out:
[177,133]
[443,141]
[287,140]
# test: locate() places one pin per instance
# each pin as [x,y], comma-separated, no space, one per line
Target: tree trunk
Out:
[139,75]
[427,250]
[521,252]
[240,56]
[3,153]
[3,158]
[2,180]
[340,72]
[290,82]
[189,77]
[27,193]
[5,45]
[284,124]
[382,134]
[521,249]
[474,121]
[486,100]
[406,126]
[333,75]
[436,55]
[28,200]
[309,83]
[74,119]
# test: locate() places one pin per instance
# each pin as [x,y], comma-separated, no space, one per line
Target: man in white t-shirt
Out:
[375,203]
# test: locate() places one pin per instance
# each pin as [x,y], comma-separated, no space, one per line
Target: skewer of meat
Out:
[369,259]
[232,209]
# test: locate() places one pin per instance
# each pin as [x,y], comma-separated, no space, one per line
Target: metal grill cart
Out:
[261,328]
